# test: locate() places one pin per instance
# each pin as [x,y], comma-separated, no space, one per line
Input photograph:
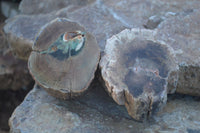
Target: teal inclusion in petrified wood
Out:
[67,44]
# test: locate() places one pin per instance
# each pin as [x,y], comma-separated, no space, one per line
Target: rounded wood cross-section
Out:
[135,68]
[64,58]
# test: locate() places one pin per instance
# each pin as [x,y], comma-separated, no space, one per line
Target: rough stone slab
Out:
[102,18]
[96,113]
[99,21]
[136,69]
[9,9]
[13,72]
[182,34]
[21,31]
[181,114]
[135,13]
[47,6]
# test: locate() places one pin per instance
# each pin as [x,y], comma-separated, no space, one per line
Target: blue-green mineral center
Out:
[67,45]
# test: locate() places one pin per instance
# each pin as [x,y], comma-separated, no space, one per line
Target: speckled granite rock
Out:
[96,113]
[182,34]
[47,6]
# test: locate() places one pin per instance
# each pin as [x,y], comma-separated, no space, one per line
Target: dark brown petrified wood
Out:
[135,69]
[64,58]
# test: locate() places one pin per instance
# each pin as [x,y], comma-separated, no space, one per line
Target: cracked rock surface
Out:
[181,33]
[47,6]
[101,18]
[97,112]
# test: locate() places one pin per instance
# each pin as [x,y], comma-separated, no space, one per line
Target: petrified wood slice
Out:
[135,69]
[64,58]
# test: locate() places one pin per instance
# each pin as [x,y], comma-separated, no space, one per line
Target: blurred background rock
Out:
[15,81]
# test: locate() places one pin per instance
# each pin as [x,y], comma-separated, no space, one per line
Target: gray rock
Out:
[9,9]
[13,72]
[181,33]
[102,18]
[135,13]
[181,114]
[21,31]
[193,131]
[47,6]
[96,112]
[155,20]
[99,21]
